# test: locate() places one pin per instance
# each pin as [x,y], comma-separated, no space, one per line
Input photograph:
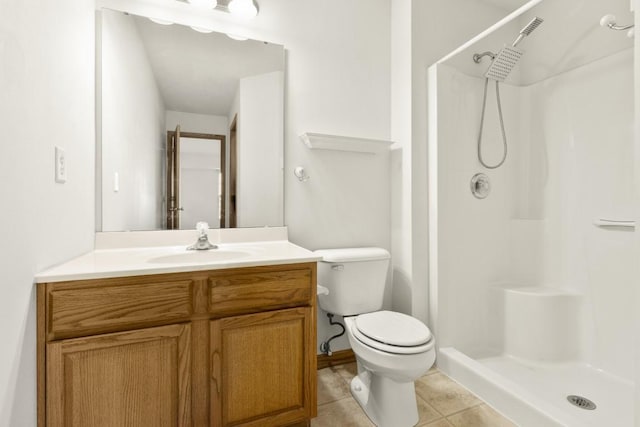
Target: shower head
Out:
[528,29]
[503,62]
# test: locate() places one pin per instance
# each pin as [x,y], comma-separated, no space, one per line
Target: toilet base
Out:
[386,402]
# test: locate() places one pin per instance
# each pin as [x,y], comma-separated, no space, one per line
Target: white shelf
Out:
[600,222]
[319,141]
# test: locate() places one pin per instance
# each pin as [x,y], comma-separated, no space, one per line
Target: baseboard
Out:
[337,358]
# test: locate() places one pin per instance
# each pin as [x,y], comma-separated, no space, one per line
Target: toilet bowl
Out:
[392,351]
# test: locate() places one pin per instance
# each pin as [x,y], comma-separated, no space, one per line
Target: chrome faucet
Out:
[202,244]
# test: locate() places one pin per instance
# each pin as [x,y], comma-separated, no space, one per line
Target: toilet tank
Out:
[355,278]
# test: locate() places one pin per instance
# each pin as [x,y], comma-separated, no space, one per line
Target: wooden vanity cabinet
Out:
[233,347]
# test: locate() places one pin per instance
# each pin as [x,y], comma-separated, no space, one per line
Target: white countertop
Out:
[121,262]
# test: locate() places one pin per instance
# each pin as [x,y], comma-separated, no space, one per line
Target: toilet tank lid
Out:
[352,254]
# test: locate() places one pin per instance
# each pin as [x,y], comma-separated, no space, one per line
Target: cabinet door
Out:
[263,368]
[136,378]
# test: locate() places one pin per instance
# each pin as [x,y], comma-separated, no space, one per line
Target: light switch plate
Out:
[61,166]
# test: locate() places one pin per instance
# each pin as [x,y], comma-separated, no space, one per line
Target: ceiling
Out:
[569,37]
[199,73]
[508,5]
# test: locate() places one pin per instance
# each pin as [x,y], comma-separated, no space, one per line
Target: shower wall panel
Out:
[473,234]
[569,162]
[578,166]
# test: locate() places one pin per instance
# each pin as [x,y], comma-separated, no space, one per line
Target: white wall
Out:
[259,180]
[199,197]
[422,33]
[133,130]
[47,87]
[401,118]
[199,182]
[197,123]
[337,83]
[636,204]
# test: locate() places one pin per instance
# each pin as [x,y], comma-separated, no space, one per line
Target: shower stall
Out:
[532,260]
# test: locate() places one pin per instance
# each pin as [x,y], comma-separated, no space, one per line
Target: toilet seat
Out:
[392,332]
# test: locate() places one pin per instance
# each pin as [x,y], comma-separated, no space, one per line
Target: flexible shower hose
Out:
[504,135]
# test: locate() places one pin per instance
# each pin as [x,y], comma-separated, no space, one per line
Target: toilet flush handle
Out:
[337,267]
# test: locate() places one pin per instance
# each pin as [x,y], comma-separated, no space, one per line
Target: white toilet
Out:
[392,349]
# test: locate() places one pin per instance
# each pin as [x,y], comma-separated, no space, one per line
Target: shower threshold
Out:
[535,394]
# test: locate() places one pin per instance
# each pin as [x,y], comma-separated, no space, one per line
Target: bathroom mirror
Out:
[189,127]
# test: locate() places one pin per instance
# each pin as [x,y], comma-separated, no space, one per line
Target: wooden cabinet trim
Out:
[200,372]
[41,359]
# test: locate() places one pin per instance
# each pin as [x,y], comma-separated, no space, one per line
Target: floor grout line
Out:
[475,405]
[348,398]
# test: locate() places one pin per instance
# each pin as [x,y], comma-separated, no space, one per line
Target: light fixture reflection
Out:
[204,4]
[243,8]
[161,21]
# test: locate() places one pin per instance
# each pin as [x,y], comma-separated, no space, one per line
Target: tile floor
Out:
[441,402]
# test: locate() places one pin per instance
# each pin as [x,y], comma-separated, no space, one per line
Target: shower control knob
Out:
[480,185]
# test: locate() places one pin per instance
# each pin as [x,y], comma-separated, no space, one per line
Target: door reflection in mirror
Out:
[195,179]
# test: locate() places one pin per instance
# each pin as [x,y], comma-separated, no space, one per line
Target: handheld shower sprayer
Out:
[502,63]
[528,29]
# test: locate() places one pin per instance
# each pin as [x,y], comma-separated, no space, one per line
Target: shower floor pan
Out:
[535,394]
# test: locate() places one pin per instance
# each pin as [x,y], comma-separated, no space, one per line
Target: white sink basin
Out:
[199,257]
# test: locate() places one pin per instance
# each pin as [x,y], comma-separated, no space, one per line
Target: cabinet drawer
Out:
[259,289]
[77,308]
